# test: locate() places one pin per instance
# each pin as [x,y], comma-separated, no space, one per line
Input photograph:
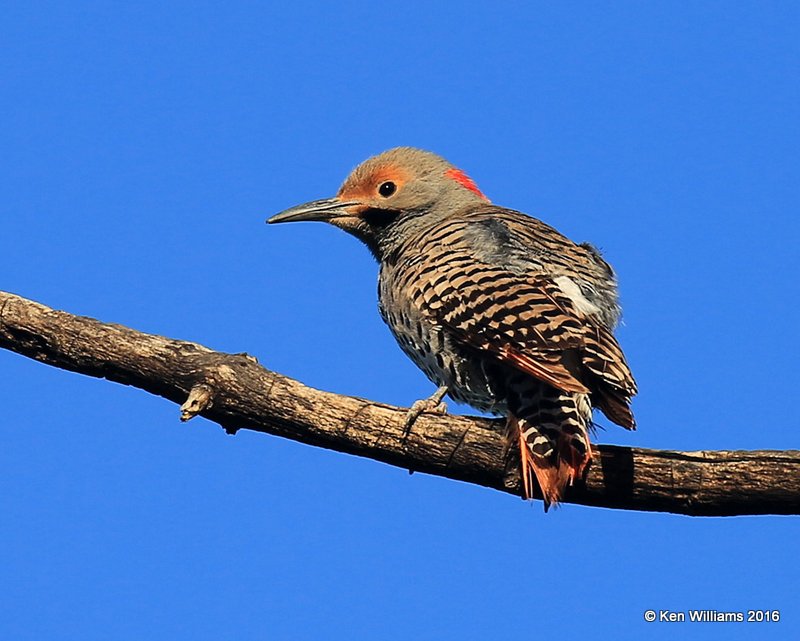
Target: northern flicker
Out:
[496,307]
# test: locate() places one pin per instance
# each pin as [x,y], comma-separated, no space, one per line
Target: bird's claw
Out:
[433,405]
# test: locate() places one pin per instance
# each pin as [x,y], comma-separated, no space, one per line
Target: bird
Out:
[499,310]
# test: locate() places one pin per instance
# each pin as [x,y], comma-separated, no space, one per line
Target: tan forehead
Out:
[364,181]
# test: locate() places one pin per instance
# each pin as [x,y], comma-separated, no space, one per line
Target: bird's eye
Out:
[387,189]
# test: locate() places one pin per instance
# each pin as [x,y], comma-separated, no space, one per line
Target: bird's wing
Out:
[526,323]
[492,297]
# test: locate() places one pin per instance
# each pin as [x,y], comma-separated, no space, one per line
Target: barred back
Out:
[514,318]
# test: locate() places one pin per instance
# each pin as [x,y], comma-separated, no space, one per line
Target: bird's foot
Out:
[432,404]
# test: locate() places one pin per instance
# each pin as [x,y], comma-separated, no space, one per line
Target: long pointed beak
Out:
[323,210]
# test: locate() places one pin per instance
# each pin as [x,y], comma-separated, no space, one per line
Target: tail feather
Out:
[554,448]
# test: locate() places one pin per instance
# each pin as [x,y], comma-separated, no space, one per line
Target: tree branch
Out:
[236,392]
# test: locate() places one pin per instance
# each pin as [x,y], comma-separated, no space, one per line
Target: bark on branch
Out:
[238,393]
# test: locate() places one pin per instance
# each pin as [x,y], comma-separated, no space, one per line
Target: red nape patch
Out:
[462,179]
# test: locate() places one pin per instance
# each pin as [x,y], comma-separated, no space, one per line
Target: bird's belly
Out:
[446,363]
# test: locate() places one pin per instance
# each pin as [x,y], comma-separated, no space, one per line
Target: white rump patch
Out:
[574,293]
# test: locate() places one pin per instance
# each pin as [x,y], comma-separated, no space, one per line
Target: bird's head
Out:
[387,193]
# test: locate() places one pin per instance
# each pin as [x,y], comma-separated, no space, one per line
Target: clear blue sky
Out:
[143,145]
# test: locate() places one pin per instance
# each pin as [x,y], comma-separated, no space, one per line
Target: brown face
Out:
[376,189]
